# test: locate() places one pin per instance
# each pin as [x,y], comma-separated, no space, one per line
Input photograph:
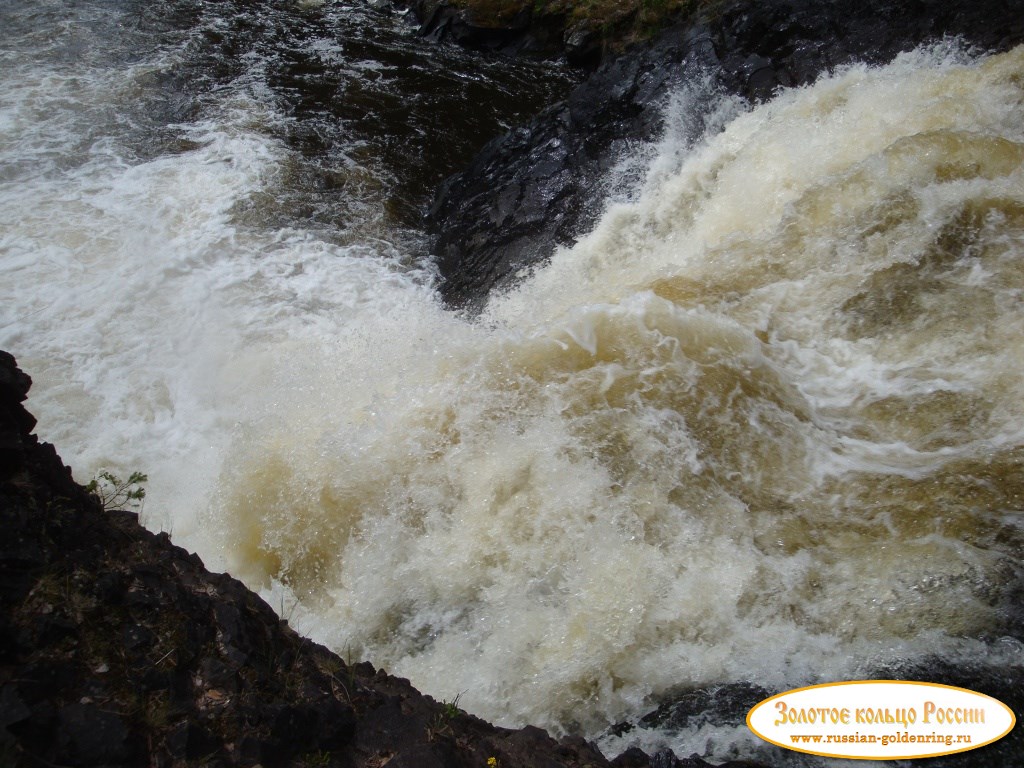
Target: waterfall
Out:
[762,425]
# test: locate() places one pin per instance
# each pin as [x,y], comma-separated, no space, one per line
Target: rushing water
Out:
[764,424]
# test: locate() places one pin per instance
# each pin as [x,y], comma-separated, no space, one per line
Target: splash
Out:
[764,423]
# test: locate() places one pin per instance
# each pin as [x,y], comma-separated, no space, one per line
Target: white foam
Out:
[696,448]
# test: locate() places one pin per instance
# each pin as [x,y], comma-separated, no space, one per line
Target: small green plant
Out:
[157,710]
[441,723]
[115,493]
[319,759]
[450,709]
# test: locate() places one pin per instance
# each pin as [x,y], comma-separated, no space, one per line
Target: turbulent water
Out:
[765,424]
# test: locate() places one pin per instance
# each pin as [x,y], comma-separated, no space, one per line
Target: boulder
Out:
[542,185]
[515,29]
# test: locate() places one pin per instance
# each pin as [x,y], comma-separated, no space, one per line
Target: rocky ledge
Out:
[517,28]
[545,184]
[118,648]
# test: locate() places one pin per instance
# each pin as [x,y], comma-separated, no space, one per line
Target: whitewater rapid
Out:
[763,424]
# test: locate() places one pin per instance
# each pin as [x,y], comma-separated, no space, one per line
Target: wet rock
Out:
[519,30]
[14,386]
[120,649]
[636,758]
[714,705]
[189,741]
[632,758]
[543,185]
[12,708]
[1005,684]
[88,735]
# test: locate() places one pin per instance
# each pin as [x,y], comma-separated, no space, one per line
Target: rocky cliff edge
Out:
[118,648]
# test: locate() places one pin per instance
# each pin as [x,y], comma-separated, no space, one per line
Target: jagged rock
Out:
[543,185]
[521,31]
[89,735]
[118,648]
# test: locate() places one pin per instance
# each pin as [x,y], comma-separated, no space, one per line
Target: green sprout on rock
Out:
[115,493]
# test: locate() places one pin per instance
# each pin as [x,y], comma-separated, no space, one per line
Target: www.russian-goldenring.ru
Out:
[948,739]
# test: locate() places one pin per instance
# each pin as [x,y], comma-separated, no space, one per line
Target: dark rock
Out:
[521,31]
[135,636]
[110,587]
[14,419]
[632,758]
[250,751]
[1005,684]
[42,681]
[582,45]
[727,705]
[544,185]
[636,758]
[52,629]
[12,708]
[717,704]
[89,735]
[189,741]
[665,759]
[120,649]
[336,724]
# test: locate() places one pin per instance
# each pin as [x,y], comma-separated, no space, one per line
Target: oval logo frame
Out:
[881,719]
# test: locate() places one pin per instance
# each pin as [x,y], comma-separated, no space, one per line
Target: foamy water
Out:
[763,424]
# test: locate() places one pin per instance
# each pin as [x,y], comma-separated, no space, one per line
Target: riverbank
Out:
[119,648]
[673,498]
